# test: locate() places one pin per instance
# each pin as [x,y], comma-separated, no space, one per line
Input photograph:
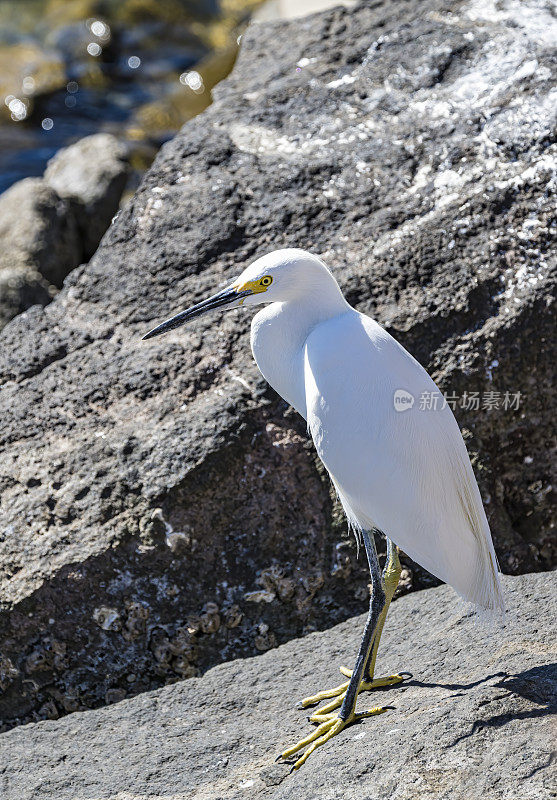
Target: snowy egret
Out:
[397,467]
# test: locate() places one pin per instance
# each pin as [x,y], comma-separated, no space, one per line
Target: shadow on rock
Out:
[536,685]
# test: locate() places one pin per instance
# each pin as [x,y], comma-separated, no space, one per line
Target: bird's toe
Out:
[329,725]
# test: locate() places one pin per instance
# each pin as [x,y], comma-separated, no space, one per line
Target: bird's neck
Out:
[316,304]
[278,335]
[296,318]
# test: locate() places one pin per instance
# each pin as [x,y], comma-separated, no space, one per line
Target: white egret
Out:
[397,467]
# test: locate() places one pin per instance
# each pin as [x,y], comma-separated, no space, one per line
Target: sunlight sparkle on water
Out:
[100,29]
[18,109]
[28,84]
[193,80]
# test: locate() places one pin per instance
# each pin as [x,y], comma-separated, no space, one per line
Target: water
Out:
[135,68]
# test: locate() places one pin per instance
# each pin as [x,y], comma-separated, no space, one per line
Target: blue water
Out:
[79,106]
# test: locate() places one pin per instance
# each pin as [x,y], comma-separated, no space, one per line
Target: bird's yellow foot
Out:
[338,692]
[329,726]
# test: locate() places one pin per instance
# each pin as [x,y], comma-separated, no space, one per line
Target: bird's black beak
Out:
[227,297]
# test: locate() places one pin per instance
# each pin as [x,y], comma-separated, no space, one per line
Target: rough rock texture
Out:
[49,226]
[37,231]
[162,510]
[91,174]
[474,722]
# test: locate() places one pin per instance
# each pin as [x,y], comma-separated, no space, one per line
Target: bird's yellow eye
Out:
[266,281]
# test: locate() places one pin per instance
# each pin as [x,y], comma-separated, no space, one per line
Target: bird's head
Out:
[276,277]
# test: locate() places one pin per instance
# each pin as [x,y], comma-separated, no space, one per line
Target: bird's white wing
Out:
[406,472]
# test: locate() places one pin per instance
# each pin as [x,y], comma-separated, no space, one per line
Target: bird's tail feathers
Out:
[482,586]
[486,591]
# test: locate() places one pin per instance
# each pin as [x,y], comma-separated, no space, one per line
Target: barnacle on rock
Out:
[7,672]
[286,588]
[404,582]
[178,541]
[273,580]
[107,618]
[137,614]
[264,639]
[38,660]
[160,647]
[233,616]
[184,644]
[342,566]
[210,618]
[362,593]
[71,704]
[261,596]
[50,654]
[193,623]
[303,603]
[269,577]
[69,700]
[313,581]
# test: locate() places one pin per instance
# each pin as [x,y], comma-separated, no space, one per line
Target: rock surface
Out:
[91,175]
[161,508]
[473,723]
[49,226]
[37,231]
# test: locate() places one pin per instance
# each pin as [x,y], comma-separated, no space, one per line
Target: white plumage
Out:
[407,473]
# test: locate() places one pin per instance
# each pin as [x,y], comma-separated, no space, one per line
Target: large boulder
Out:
[162,509]
[474,722]
[37,231]
[90,174]
[49,226]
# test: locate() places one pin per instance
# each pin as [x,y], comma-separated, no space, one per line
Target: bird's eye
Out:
[266,281]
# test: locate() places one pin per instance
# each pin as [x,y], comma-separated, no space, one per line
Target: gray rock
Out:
[147,488]
[37,231]
[49,226]
[91,174]
[21,288]
[473,723]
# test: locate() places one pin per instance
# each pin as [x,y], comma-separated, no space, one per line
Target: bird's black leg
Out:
[391,575]
[332,723]
[336,695]
[376,605]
